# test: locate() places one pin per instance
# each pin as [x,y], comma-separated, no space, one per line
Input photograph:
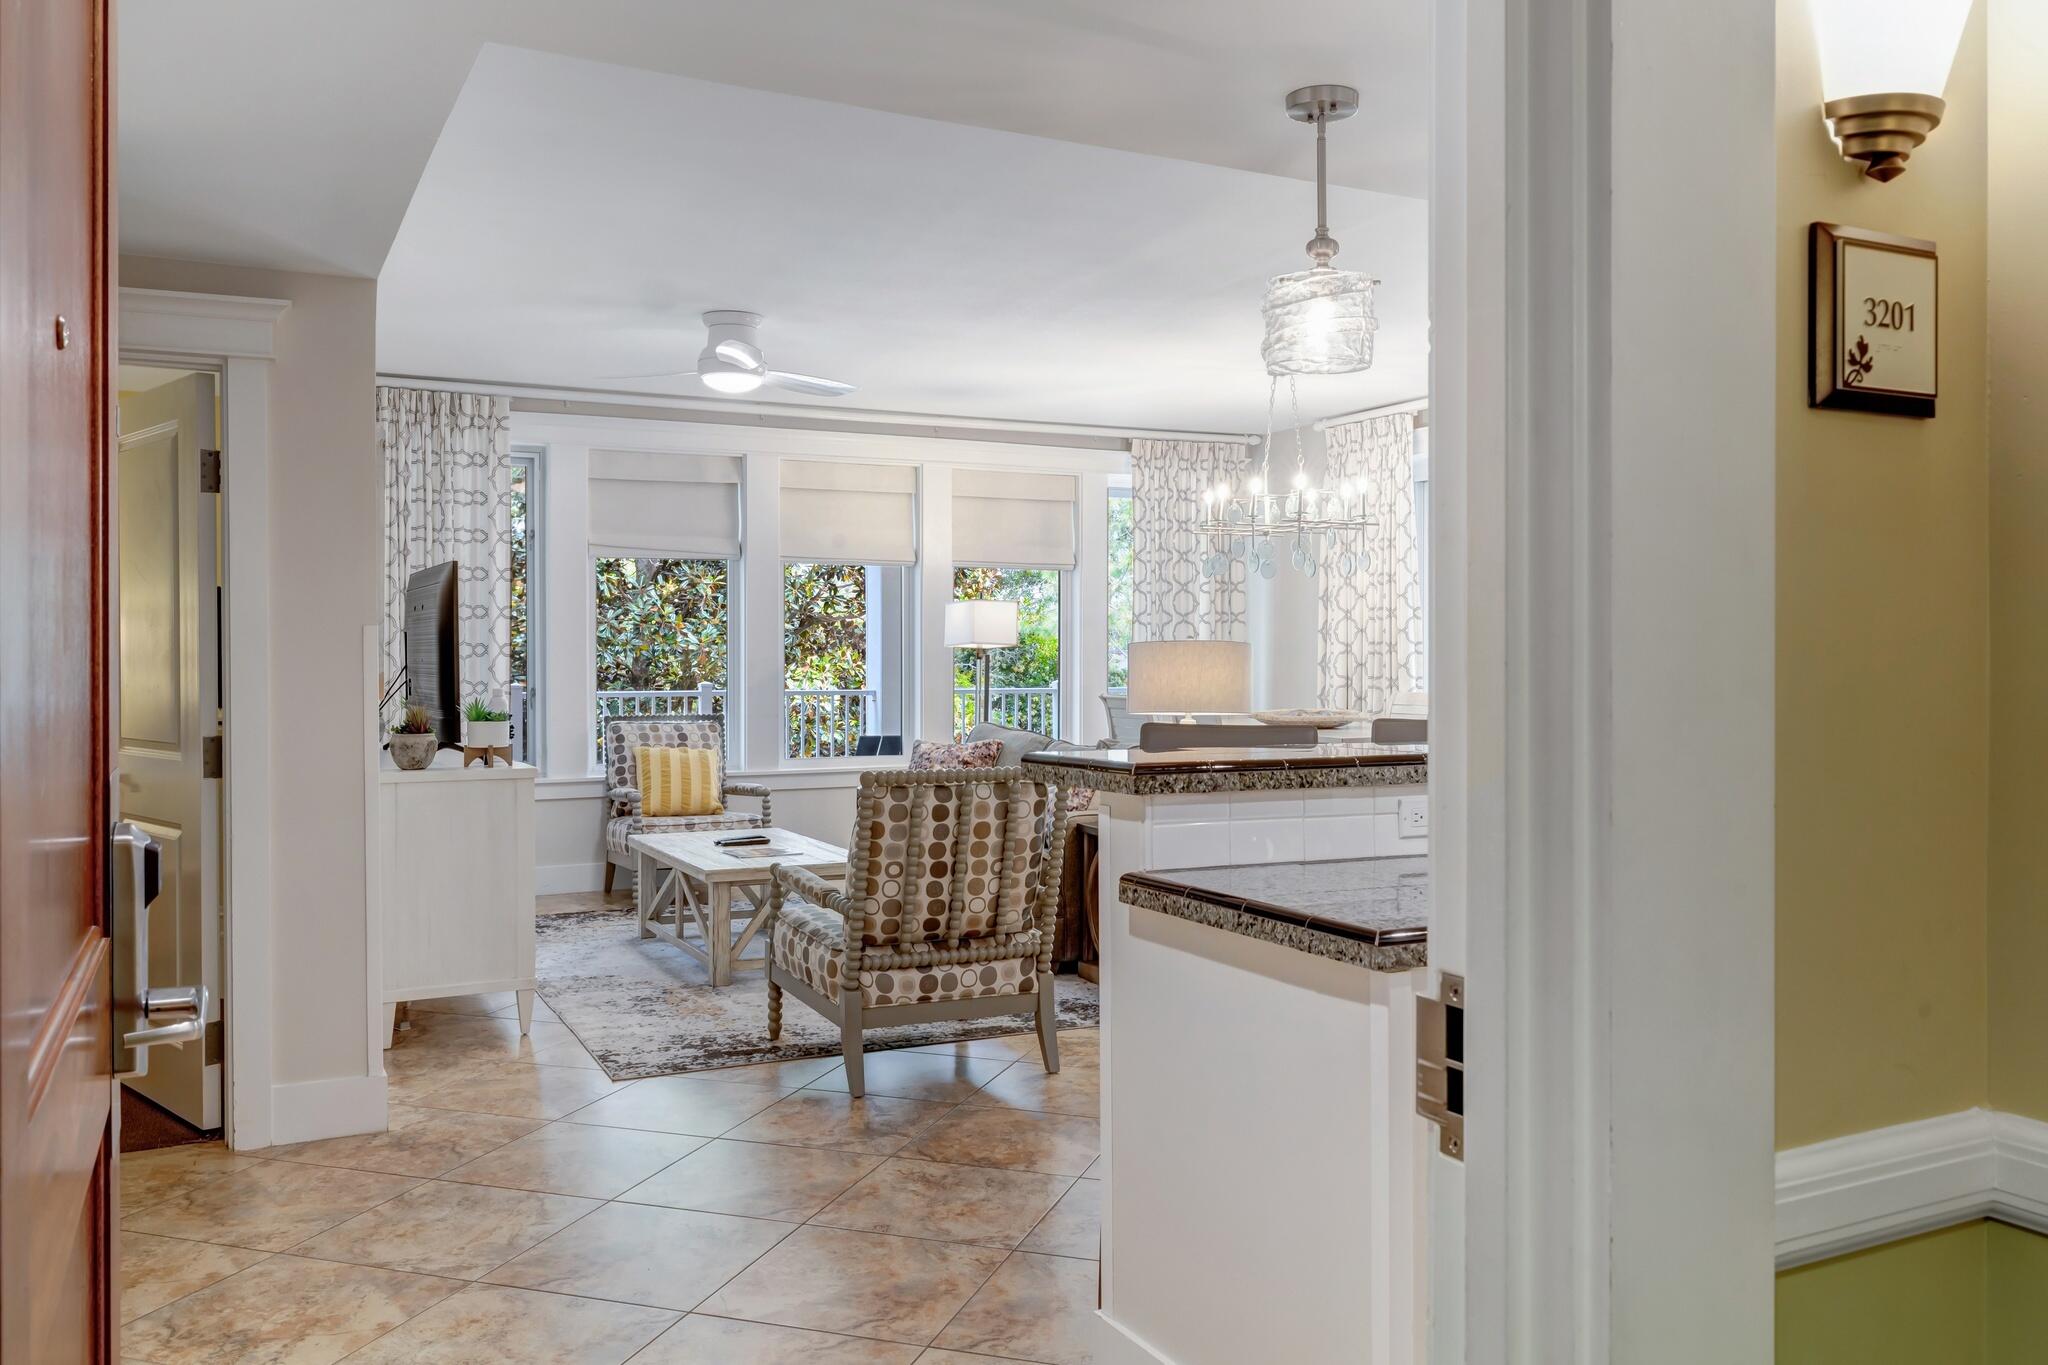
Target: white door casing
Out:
[1603,473]
[169,708]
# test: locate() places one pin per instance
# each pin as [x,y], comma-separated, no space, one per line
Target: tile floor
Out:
[523,1207]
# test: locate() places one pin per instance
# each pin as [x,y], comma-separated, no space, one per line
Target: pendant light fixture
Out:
[1320,320]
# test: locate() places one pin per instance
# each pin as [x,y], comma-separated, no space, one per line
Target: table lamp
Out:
[981,626]
[1186,678]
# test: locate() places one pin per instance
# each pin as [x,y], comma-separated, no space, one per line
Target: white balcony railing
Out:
[826,722]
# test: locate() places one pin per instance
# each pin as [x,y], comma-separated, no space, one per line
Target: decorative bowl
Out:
[1322,718]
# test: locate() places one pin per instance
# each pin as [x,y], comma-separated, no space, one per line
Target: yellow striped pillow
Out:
[678,781]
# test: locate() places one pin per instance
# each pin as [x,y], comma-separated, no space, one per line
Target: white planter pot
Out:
[487,734]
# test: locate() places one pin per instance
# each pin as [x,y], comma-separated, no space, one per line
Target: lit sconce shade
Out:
[981,624]
[1319,321]
[1883,67]
[1189,678]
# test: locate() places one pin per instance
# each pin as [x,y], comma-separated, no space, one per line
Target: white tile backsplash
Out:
[1265,841]
[1190,844]
[1327,838]
[1211,829]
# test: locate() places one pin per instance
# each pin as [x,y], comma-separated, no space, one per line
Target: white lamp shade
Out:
[981,625]
[1189,678]
[1319,321]
[1887,47]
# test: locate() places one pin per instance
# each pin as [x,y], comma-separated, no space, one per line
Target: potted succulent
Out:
[485,727]
[413,742]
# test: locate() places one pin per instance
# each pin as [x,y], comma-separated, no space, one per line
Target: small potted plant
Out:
[485,727]
[413,742]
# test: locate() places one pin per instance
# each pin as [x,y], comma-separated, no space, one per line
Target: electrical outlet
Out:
[1414,816]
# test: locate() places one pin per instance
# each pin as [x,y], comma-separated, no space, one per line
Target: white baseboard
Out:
[1141,1351]
[1869,1188]
[309,1110]
[552,879]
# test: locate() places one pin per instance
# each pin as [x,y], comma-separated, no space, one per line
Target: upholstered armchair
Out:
[951,890]
[622,736]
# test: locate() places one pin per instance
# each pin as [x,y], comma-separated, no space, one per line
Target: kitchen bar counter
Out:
[1331,764]
[1370,912]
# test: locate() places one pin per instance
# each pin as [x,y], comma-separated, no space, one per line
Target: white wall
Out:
[326,536]
[811,797]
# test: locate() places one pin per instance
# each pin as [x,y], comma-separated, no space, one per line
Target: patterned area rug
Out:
[643,1007]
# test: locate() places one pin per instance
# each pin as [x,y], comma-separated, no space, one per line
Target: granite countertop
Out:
[1332,763]
[1371,912]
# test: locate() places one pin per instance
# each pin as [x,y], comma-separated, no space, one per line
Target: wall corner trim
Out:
[306,1111]
[1867,1189]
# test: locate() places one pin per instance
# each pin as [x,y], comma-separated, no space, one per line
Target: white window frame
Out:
[735,702]
[530,458]
[1069,611]
[898,660]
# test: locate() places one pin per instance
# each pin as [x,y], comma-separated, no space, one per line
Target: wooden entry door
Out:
[57,1140]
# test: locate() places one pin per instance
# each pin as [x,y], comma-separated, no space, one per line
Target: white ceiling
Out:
[569,204]
[945,269]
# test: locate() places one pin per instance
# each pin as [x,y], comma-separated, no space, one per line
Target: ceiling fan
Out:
[731,361]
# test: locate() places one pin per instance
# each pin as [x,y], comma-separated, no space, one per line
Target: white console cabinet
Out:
[456,876]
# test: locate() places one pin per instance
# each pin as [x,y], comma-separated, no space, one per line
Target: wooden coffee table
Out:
[685,882]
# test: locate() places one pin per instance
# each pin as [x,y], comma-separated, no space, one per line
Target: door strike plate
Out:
[1440,1063]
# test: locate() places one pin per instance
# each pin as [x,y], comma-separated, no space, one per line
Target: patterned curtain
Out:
[1371,636]
[1170,597]
[448,495]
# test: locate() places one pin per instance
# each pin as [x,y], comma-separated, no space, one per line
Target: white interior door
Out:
[169,583]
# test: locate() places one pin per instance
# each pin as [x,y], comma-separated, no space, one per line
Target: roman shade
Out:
[1013,520]
[654,502]
[839,512]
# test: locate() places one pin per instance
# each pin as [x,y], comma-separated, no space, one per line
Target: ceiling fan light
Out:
[730,381]
[1319,321]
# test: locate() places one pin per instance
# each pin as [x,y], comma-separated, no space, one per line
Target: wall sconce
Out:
[1883,67]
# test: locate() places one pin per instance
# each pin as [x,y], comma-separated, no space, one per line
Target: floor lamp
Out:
[981,626]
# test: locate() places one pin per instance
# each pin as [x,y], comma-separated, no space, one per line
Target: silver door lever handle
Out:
[187,1002]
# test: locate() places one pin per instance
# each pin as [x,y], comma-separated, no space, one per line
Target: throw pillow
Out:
[930,754]
[678,781]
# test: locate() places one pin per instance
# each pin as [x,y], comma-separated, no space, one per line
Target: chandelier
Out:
[1320,320]
[1314,523]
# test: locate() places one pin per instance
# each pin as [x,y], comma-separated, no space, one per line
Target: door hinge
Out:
[209,471]
[209,756]
[1440,1063]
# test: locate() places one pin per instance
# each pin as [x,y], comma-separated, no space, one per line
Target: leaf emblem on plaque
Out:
[1858,362]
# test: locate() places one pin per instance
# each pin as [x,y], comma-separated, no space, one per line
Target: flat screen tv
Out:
[433,676]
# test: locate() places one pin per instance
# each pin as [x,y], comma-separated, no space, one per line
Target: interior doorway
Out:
[170,584]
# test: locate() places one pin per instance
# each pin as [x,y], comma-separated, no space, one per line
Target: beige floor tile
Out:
[283,1311]
[937,1357]
[637,1253]
[755,1180]
[520,1090]
[486,1035]
[571,1053]
[1075,1089]
[878,1125]
[422,1142]
[1003,1047]
[444,1229]
[1074,1227]
[152,1177]
[948,1203]
[1016,1139]
[579,1159]
[859,1283]
[488,1325]
[160,1270]
[490,1002]
[699,1340]
[1038,1308]
[791,1075]
[269,1206]
[680,1104]
[918,1075]
[411,1073]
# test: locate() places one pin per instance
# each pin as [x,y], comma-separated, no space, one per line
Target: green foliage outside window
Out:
[1034,661]
[1123,560]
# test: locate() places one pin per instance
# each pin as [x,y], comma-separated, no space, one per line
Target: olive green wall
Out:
[1969,1295]
[1916,1302]
[1883,655]
[2018,210]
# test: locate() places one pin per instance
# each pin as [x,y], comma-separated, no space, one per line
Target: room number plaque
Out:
[1873,315]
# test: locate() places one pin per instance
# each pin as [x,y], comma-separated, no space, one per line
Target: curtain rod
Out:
[796,415]
[1383,410]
